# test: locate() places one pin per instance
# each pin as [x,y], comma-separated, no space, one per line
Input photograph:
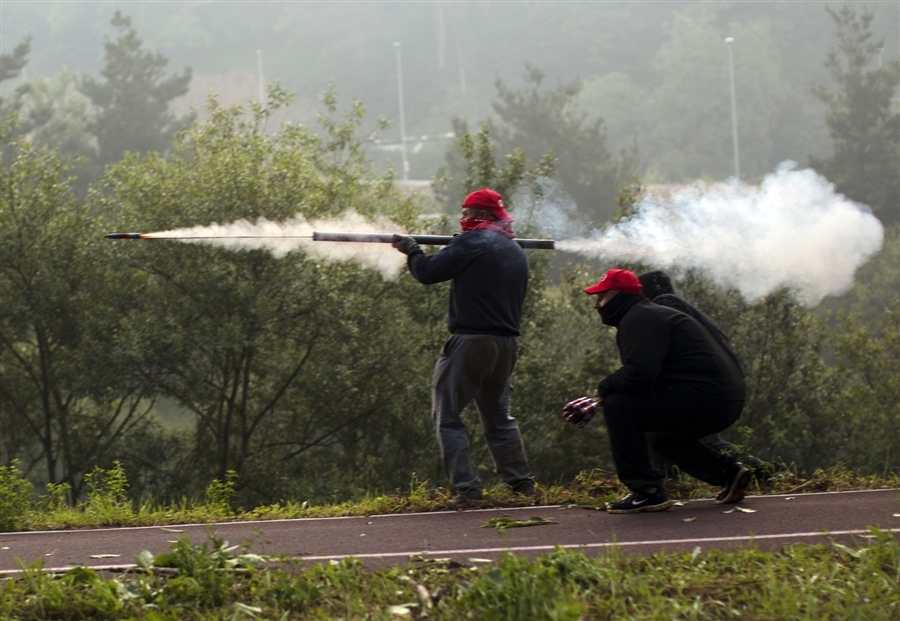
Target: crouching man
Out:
[675,386]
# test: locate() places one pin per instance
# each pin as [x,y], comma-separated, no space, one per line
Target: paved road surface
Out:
[386,540]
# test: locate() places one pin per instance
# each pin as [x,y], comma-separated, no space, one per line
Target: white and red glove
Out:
[581,411]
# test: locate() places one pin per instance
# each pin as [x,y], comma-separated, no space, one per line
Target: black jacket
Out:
[673,301]
[490,276]
[660,345]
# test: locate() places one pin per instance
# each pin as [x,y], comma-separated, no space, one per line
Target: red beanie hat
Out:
[487,199]
[620,280]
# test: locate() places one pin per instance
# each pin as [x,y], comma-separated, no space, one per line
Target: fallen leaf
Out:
[368,523]
[105,555]
[790,498]
[505,522]
[895,515]
[362,535]
[7,547]
[692,519]
[731,510]
[743,510]
[171,530]
[400,611]
[480,560]
[679,503]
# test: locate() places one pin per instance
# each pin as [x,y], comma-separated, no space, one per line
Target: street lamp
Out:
[402,120]
[737,162]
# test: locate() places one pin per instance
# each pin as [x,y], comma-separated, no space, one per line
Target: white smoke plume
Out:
[793,230]
[280,238]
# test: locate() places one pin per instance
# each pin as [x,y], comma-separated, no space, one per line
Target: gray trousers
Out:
[476,366]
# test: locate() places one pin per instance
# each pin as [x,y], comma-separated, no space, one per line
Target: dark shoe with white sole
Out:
[647,499]
[737,486]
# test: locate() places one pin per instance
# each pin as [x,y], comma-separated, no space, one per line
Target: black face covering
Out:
[611,314]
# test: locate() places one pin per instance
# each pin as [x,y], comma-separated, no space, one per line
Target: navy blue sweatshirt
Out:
[489,273]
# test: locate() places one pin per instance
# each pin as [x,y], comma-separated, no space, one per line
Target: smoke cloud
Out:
[793,230]
[280,238]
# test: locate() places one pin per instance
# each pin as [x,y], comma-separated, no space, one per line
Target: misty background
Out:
[656,73]
[303,370]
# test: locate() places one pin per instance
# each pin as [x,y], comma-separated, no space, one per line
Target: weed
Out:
[15,497]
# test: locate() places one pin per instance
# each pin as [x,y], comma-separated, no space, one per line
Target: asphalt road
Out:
[386,540]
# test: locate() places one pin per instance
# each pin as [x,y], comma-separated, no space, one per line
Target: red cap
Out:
[620,280]
[487,199]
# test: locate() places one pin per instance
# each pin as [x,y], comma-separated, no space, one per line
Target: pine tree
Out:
[865,164]
[132,105]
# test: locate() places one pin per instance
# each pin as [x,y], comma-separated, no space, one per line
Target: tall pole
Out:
[734,138]
[259,77]
[402,120]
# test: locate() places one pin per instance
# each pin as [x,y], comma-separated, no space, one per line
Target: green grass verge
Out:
[108,505]
[210,581]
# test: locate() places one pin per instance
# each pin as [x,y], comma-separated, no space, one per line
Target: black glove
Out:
[404,243]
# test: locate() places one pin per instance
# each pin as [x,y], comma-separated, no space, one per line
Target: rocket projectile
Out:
[124,235]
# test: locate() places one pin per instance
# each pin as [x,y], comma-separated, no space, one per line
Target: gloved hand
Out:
[403,243]
[581,411]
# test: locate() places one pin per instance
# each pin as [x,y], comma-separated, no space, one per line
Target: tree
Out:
[688,126]
[303,375]
[67,401]
[535,120]
[473,164]
[866,132]
[132,105]
[12,64]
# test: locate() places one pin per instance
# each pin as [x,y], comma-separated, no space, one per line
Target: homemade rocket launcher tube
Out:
[380,238]
[425,240]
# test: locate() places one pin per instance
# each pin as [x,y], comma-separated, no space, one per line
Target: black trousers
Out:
[673,419]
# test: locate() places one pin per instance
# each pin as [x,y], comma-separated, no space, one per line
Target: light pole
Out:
[259,78]
[737,162]
[402,120]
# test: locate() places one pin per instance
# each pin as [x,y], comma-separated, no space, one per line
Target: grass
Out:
[107,503]
[212,581]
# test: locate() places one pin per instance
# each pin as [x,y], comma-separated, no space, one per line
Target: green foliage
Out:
[213,581]
[132,105]
[15,497]
[473,164]
[12,64]
[54,113]
[220,494]
[864,128]
[521,589]
[688,107]
[534,120]
[107,500]
[65,400]
[869,360]
[297,369]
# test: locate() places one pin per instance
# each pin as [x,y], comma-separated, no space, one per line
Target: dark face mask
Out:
[611,314]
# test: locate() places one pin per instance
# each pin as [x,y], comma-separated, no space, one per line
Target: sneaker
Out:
[471,499]
[735,490]
[525,488]
[643,500]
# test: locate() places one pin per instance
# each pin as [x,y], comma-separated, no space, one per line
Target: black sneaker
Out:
[736,488]
[643,500]
[470,499]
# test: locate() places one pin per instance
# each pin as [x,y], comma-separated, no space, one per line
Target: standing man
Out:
[489,276]
[676,386]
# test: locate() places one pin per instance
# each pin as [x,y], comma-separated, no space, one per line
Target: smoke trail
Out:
[793,230]
[281,238]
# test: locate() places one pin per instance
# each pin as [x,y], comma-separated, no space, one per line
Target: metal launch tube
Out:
[381,238]
[425,240]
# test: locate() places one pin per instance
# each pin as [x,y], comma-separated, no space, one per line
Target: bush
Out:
[15,497]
